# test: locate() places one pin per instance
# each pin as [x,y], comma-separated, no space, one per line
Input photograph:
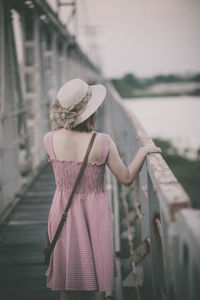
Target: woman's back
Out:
[66,153]
[72,145]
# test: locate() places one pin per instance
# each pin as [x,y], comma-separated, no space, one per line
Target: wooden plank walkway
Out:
[22,271]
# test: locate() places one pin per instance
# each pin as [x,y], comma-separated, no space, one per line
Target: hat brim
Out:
[97,97]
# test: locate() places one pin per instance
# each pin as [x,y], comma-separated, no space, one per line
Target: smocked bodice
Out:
[66,171]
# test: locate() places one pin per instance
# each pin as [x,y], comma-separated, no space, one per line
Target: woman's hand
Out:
[150,149]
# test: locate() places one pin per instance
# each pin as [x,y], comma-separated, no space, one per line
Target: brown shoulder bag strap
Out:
[64,215]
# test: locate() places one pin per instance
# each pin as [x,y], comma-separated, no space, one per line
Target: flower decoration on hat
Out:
[64,115]
[67,116]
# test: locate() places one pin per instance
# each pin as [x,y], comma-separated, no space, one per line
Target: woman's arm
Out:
[126,175]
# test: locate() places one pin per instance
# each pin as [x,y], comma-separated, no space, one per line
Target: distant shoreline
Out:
[160,96]
[141,95]
[130,86]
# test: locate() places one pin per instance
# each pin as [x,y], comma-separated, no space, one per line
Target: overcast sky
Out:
[145,37]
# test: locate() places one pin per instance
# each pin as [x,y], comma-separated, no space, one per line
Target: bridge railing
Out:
[158,229]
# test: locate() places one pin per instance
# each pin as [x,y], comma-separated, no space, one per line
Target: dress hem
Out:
[81,290]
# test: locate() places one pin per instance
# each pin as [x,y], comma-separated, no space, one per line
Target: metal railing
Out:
[160,232]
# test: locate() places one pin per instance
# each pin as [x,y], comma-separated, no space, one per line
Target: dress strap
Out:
[105,146]
[49,144]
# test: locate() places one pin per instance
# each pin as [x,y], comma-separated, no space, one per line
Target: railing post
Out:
[145,232]
[156,245]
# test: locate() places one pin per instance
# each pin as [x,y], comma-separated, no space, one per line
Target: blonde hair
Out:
[87,125]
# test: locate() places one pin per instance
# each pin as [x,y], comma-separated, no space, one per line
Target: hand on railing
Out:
[150,149]
[126,175]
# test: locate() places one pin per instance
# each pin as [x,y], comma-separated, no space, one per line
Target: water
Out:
[174,118]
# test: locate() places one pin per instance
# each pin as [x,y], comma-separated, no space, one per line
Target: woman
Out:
[83,261]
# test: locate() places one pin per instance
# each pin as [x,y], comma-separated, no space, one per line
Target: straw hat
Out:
[75,102]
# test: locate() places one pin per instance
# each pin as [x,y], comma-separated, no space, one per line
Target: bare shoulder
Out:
[45,136]
[101,134]
[110,140]
[112,145]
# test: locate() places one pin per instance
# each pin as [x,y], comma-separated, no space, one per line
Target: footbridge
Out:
[156,229]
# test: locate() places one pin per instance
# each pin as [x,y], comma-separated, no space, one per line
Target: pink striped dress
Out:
[83,257]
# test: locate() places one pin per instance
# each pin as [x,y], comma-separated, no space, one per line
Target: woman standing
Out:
[83,260]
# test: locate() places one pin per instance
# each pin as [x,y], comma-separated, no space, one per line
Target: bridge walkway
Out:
[22,271]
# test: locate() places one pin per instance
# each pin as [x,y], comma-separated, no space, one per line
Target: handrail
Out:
[165,209]
[161,174]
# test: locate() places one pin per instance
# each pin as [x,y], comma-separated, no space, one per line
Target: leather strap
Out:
[64,215]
